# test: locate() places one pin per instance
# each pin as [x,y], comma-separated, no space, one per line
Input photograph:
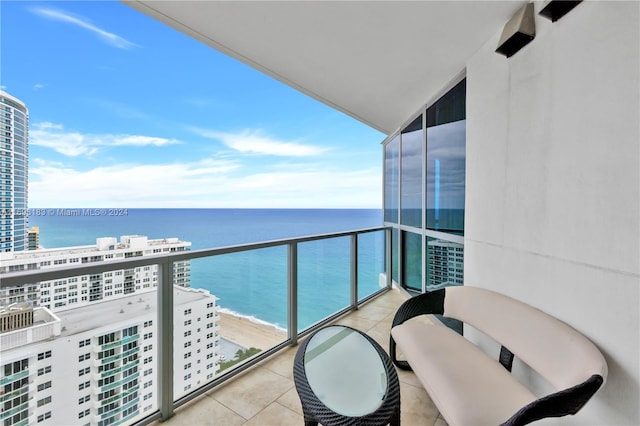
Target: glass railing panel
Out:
[235,308]
[85,346]
[371,278]
[324,277]
[109,320]
[126,356]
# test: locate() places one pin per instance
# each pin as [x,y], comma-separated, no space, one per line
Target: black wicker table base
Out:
[344,377]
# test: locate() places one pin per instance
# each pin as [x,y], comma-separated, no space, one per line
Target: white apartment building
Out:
[81,290]
[97,364]
[445,261]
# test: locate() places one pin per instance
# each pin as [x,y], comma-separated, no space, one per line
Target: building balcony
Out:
[12,378]
[116,357]
[266,394]
[123,341]
[6,414]
[98,390]
[14,394]
[260,384]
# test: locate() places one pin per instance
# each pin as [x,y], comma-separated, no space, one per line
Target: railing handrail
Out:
[165,308]
[12,279]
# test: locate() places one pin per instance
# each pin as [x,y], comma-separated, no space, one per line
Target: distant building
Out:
[34,238]
[98,364]
[81,290]
[14,163]
[445,260]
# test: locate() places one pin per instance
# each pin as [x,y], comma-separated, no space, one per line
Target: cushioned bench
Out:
[471,388]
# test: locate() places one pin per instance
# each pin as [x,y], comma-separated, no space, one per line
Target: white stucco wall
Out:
[552,190]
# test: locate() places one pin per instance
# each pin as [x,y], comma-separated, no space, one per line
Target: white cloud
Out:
[253,142]
[210,183]
[40,162]
[38,86]
[73,144]
[109,38]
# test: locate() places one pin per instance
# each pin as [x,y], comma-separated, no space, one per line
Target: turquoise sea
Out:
[254,283]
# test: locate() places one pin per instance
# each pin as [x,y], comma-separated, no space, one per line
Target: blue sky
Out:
[127,112]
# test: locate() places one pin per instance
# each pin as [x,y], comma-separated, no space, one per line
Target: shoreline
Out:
[245,332]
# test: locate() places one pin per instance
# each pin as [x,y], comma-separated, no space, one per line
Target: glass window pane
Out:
[444,264]
[446,144]
[411,174]
[412,261]
[391,179]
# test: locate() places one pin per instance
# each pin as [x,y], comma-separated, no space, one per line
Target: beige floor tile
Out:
[276,415]
[252,392]
[373,313]
[380,333]
[440,421]
[203,411]
[291,400]
[362,324]
[282,362]
[416,408]
[408,377]
[266,394]
[391,300]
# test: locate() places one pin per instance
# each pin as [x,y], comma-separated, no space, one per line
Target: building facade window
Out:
[424,191]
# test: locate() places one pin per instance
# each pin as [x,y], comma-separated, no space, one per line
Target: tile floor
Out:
[265,395]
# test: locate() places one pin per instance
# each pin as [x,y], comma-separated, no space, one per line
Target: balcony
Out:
[348,265]
[6,414]
[266,395]
[117,384]
[12,378]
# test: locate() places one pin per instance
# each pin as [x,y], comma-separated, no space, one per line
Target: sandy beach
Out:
[244,332]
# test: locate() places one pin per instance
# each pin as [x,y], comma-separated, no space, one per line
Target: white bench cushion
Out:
[558,352]
[467,386]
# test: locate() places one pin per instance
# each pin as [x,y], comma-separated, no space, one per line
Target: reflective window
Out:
[446,142]
[411,174]
[391,180]
[425,178]
[412,260]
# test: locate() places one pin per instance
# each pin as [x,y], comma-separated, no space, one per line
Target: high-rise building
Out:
[14,159]
[34,238]
[98,364]
[445,260]
[82,290]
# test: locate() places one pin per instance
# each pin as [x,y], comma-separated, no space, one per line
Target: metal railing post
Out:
[292,293]
[388,257]
[165,339]
[354,271]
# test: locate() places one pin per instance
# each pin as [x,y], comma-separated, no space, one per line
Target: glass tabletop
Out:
[345,371]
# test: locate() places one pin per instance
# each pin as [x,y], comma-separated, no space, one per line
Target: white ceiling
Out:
[378,61]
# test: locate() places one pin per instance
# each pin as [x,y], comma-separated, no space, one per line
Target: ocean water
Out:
[251,284]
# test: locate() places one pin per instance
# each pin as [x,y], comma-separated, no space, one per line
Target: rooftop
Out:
[113,312]
[102,244]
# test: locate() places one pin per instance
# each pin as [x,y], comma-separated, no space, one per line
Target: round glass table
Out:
[344,377]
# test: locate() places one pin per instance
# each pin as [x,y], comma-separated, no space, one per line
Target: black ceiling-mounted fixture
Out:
[556,9]
[518,32]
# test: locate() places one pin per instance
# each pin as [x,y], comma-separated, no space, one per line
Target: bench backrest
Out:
[559,353]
